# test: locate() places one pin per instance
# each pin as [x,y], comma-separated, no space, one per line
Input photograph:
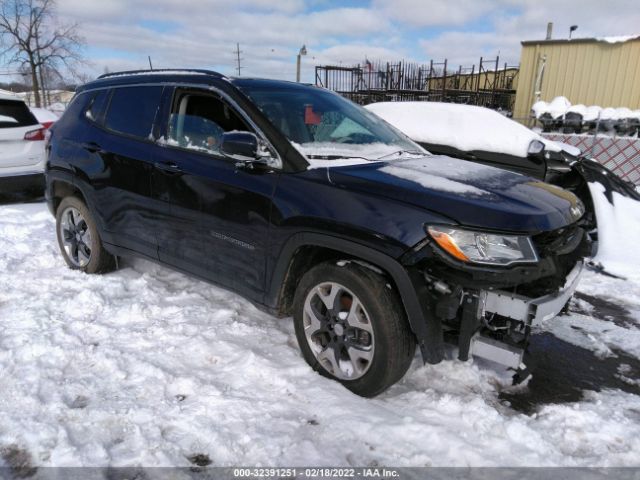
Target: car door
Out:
[218,221]
[117,160]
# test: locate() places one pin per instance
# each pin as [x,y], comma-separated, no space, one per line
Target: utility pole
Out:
[238,59]
[303,51]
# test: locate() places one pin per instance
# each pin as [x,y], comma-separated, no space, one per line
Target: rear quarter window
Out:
[14,114]
[132,110]
[97,105]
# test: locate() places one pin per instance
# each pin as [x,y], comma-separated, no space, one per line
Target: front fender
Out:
[426,327]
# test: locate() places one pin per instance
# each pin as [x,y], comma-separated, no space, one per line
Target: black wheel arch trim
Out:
[424,325]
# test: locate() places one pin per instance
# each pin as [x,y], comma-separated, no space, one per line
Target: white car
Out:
[22,152]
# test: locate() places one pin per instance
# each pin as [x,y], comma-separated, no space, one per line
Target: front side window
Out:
[322,124]
[132,110]
[198,121]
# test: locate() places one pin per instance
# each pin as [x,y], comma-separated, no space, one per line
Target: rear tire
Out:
[364,340]
[79,240]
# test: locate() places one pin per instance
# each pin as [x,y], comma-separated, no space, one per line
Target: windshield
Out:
[323,125]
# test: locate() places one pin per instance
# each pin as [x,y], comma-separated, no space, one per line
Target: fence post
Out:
[595,135]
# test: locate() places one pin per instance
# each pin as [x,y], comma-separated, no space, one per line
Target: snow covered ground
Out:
[145,366]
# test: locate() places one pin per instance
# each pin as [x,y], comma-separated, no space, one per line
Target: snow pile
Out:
[580,109]
[539,108]
[466,128]
[556,107]
[592,113]
[58,108]
[618,231]
[560,106]
[147,367]
[617,38]
[8,95]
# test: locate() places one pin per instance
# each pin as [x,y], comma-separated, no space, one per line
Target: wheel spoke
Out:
[360,359]
[83,258]
[67,236]
[86,237]
[77,218]
[312,315]
[330,299]
[74,251]
[70,219]
[328,355]
[357,318]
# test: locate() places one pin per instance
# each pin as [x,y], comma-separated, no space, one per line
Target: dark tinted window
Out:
[15,114]
[132,110]
[97,105]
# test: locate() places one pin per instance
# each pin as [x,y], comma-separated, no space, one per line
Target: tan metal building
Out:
[587,71]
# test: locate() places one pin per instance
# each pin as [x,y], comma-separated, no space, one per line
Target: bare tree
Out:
[34,39]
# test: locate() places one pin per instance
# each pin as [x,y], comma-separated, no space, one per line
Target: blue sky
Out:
[203,33]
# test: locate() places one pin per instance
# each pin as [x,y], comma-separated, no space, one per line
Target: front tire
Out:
[79,240]
[351,327]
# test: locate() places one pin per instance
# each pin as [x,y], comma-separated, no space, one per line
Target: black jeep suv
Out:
[311,206]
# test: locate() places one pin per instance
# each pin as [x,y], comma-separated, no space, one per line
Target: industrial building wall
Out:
[583,70]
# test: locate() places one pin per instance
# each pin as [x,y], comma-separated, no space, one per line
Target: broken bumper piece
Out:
[532,311]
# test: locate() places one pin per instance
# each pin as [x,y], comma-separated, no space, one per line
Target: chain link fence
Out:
[619,154]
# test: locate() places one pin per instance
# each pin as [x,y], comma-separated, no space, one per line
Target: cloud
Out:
[198,33]
[520,20]
[426,13]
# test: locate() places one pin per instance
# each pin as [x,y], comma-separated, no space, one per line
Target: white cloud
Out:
[435,12]
[527,20]
[203,34]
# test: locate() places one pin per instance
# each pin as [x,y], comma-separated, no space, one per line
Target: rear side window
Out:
[14,113]
[132,110]
[97,105]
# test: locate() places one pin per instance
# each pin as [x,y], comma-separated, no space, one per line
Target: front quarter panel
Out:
[309,202]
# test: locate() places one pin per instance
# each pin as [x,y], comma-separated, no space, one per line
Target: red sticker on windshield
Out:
[311,117]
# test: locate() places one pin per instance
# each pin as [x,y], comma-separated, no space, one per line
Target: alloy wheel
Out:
[76,237]
[338,330]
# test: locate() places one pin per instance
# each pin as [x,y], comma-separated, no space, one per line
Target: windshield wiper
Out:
[400,152]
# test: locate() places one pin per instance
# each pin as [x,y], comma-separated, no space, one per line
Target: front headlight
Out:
[487,248]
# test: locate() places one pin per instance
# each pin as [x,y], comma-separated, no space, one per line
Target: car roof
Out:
[152,76]
[191,76]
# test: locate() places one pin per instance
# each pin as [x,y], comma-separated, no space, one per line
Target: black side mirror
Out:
[240,146]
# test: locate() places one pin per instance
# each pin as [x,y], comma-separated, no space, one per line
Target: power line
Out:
[238,59]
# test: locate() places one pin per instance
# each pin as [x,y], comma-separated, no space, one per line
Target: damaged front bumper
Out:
[490,312]
[531,311]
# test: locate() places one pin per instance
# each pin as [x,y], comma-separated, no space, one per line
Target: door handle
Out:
[92,147]
[168,167]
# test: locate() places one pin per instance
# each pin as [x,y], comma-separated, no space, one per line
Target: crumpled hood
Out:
[471,194]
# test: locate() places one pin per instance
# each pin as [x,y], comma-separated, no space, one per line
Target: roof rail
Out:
[160,70]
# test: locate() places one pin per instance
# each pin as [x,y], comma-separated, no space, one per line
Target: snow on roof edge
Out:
[617,38]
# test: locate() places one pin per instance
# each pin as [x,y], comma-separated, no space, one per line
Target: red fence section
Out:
[619,154]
